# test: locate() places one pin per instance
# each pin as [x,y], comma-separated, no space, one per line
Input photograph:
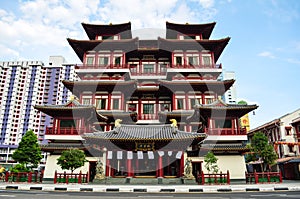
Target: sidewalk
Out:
[285,186]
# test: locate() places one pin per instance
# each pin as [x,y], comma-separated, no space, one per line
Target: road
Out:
[8,194]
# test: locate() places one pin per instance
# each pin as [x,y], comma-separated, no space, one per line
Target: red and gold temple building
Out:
[142,107]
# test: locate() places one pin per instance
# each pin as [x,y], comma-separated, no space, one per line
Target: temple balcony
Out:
[148,117]
[226,133]
[202,66]
[148,70]
[66,131]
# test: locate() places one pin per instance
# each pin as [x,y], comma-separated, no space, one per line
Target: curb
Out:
[145,189]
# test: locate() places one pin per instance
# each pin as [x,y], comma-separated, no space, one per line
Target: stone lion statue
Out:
[99,171]
[188,169]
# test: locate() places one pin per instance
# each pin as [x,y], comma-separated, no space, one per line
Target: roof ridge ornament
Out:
[118,123]
[174,125]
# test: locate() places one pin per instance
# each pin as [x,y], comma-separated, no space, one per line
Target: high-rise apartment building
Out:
[230,95]
[24,84]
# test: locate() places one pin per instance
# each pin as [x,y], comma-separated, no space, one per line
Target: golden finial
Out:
[174,123]
[118,123]
[72,97]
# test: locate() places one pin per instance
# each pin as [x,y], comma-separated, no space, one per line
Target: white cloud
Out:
[9,53]
[206,3]
[293,61]
[266,54]
[42,26]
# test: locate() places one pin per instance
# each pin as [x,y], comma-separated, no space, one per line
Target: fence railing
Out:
[30,177]
[263,177]
[226,131]
[71,177]
[218,178]
[65,131]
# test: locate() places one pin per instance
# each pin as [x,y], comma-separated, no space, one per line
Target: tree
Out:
[263,150]
[28,151]
[71,159]
[211,162]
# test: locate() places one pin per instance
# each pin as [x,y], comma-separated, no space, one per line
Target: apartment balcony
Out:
[225,131]
[65,131]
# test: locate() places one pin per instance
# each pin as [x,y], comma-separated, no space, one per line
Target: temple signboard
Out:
[144,146]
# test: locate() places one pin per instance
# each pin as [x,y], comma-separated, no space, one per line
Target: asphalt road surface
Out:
[8,194]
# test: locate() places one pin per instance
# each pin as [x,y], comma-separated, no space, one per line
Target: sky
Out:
[264,50]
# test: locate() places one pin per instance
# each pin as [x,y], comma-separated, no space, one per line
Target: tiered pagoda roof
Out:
[225,147]
[82,46]
[126,136]
[189,29]
[104,85]
[71,109]
[93,30]
[220,87]
[220,108]
[215,46]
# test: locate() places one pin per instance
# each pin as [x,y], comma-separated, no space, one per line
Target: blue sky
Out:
[264,50]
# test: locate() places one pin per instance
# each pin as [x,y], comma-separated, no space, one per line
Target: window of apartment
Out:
[101,104]
[148,108]
[148,68]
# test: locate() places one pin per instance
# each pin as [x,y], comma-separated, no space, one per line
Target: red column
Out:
[140,108]
[107,168]
[203,98]
[122,102]
[109,102]
[174,102]
[181,165]
[129,168]
[186,101]
[160,166]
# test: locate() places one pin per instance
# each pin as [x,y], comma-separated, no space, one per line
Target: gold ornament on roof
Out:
[174,123]
[118,123]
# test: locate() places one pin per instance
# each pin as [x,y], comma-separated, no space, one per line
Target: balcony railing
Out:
[191,66]
[148,117]
[139,70]
[65,131]
[225,131]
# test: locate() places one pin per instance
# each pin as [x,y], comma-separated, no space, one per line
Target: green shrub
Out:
[19,168]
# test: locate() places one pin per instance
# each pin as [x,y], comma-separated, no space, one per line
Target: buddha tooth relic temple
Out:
[147,109]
